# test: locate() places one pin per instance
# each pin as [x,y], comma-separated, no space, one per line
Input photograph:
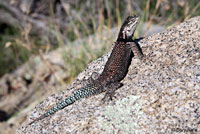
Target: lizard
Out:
[114,70]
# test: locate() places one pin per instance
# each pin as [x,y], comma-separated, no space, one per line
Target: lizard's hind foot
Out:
[91,79]
[110,91]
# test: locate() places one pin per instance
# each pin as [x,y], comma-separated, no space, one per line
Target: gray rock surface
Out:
[161,93]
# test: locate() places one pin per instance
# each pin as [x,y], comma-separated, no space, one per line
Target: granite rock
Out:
[161,93]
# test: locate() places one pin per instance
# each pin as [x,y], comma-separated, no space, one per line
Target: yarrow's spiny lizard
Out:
[114,71]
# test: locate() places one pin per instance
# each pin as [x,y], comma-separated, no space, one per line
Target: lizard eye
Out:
[128,31]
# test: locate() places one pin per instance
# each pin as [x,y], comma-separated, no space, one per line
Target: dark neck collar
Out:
[124,40]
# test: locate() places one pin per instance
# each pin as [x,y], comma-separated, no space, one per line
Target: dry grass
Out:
[86,18]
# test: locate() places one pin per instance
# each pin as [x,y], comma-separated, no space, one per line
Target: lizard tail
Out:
[83,92]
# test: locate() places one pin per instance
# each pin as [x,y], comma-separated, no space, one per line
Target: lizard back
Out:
[117,65]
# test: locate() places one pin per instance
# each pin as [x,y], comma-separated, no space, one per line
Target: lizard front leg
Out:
[136,49]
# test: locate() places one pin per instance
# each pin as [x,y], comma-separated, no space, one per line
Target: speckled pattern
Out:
[166,85]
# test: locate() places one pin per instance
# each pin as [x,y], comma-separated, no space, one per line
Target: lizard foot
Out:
[91,79]
[108,97]
[94,76]
[110,91]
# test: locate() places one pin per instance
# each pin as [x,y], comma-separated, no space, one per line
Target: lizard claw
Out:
[108,96]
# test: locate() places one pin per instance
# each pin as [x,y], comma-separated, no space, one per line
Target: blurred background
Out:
[39,38]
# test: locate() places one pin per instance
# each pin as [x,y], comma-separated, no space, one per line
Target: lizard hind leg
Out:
[110,91]
[91,79]
[94,76]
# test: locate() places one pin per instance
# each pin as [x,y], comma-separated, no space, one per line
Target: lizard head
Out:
[128,27]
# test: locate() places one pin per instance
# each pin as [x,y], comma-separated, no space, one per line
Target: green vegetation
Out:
[87,18]
[11,53]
